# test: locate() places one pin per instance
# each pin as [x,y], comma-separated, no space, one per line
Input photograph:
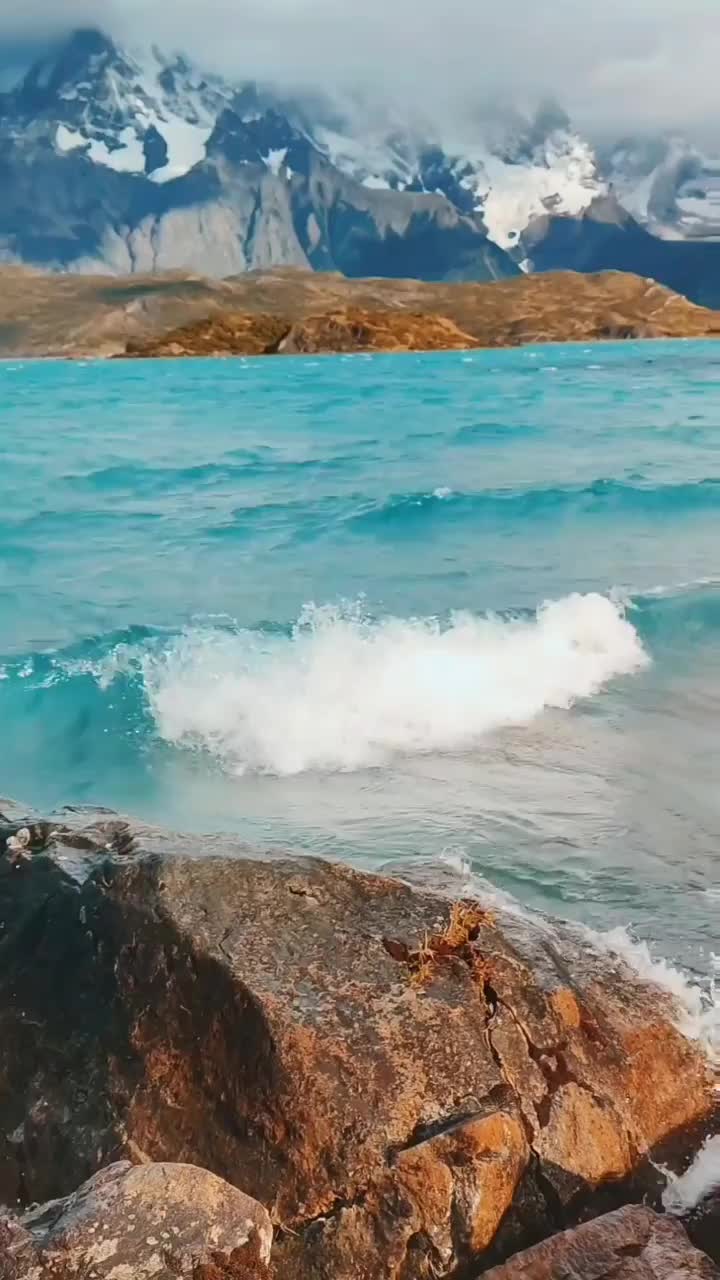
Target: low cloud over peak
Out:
[619,66]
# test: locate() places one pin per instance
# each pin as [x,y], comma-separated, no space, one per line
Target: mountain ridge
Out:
[128,161]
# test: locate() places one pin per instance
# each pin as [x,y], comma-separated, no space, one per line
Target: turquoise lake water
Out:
[459,609]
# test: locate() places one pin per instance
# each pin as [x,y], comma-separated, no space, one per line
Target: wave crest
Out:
[344,692]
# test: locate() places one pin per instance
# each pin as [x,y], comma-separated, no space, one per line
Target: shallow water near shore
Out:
[461,611]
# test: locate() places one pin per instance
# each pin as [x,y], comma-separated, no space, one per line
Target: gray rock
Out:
[150,1222]
[631,1244]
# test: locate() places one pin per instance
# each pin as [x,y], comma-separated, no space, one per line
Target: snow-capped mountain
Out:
[138,114]
[124,161]
[668,184]
[515,170]
[120,160]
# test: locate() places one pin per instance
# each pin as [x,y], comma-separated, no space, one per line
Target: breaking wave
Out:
[684,1193]
[697,1005]
[344,692]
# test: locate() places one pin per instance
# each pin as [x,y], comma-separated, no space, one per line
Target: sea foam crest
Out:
[682,1194]
[343,691]
[698,1007]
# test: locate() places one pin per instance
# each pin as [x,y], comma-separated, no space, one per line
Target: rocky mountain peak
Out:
[127,159]
[75,71]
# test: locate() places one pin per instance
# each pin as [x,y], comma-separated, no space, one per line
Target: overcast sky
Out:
[615,64]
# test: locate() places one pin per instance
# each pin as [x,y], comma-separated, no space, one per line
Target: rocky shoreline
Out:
[265,312]
[214,1064]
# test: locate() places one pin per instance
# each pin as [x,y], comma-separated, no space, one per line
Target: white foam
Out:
[685,1193]
[698,1009]
[678,588]
[345,692]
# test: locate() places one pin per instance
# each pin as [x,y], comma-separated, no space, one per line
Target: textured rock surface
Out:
[632,1244]
[350,329]
[55,315]
[406,1085]
[152,1222]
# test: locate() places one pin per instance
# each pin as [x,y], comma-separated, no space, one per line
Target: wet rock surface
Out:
[408,1085]
[150,1222]
[632,1244]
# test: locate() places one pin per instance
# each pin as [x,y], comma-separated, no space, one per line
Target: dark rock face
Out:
[632,1244]
[703,1225]
[152,1222]
[408,1085]
[606,238]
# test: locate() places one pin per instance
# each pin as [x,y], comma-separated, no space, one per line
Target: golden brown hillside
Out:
[94,315]
[346,329]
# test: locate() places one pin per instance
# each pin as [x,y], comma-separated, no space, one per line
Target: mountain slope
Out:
[606,238]
[127,161]
[121,164]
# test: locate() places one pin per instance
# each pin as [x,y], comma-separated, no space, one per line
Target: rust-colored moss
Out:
[457,940]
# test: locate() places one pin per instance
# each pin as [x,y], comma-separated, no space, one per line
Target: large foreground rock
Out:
[406,1084]
[632,1244]
[153,1222]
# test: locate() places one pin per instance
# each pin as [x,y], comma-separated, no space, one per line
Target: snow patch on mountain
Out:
[669,185]
[127,156]
[275,159]
[562,179]
[522,173]
[378,162]
[134,112]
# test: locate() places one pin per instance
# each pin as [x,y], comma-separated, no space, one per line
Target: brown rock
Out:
[408,1085]
[153,1222]
[354,329]
[17,1249]
[632,1244]
[230,334]
[344,330]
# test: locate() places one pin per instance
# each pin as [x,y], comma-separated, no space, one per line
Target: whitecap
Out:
[684,1193]
[698,1008]
[343,691]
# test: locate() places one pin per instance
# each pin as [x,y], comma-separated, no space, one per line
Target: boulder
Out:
[632,1244]
[409,1084]
[152,1222]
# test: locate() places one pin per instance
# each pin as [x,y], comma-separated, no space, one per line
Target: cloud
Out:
[620,64]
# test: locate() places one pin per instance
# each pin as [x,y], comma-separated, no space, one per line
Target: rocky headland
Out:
[267,312]
[219,1064]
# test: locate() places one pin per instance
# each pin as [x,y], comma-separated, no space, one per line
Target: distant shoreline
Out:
[286,311]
